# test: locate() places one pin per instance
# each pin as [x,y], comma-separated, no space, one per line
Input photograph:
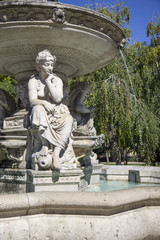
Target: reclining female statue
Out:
[50,118]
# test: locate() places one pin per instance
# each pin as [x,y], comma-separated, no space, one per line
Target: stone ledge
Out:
[141,174]
[142,224]
[27,180]
[83,203]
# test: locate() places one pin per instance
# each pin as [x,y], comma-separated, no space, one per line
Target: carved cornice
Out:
[69,60]
[58,51]
[61,14]
[82,40]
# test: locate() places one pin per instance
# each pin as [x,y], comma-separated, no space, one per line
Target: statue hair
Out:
[42,57]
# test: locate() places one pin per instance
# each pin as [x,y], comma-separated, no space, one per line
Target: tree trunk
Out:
[125,157]
[107,158]
[116,154]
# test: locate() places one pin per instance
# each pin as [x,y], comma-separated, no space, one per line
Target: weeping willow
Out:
[125,121]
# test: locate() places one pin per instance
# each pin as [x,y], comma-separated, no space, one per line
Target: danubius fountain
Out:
[44,142]
[82,41]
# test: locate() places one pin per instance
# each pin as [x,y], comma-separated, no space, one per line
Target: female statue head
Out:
[42,57]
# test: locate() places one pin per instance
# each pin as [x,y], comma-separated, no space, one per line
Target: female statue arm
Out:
[55,87]
[78,103]
[33,96]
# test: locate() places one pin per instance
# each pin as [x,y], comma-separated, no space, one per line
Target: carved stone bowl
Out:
[83,40]
[83,145]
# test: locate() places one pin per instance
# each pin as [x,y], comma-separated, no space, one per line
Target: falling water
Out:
[135,99]
[124,60]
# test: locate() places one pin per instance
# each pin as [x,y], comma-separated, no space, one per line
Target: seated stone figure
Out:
[51,122]
[82,114]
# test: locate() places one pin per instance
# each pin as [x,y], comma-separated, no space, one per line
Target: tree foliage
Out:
[8,83]
[119,13]
[127,103]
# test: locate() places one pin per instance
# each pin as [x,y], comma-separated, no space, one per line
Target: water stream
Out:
[132,88]
[133,93]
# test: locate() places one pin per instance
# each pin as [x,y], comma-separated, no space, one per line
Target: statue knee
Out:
[69,119]
[38,108]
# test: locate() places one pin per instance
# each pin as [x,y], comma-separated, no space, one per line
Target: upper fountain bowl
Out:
[82,40]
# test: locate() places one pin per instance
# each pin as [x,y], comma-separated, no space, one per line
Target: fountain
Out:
[69,33]
[78,41]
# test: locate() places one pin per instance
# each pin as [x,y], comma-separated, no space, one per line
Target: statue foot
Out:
[55,158]
[56,164]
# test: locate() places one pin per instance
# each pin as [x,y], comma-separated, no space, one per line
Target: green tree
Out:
[8,83]
[127,107]
[119,13]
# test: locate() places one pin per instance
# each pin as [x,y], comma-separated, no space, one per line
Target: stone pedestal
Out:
[145,175]
[21,181]
[64,180]
[96,173]
[13,139]
[92,173]
[13,181]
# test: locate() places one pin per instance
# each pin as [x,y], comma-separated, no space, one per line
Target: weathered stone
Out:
[21,181]
[69,33]
[7,105]
[64,180]
[83,146]
[82,114]
[51,122]
[141,174]
[58,215]
[13,140]
[13,181]
[71,40]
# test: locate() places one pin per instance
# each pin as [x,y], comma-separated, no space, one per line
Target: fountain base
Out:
[22,181]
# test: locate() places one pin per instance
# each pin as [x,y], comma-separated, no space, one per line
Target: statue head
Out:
[85,86]
[42,57]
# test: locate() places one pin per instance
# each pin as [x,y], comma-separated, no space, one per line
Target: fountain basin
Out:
[82,40]
[124,214]
[109,186]
[57,215]
[26,180]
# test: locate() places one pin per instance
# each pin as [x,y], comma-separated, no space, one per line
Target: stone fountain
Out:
[82,41]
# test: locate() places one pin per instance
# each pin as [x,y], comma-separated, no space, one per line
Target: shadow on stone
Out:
[55,175]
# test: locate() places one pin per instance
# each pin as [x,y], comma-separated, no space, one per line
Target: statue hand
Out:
[49,78]
[91,108]
[48,106]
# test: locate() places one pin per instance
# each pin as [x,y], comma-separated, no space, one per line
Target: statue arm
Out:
[32,93]
[55,87]
[83,109]
[79,107]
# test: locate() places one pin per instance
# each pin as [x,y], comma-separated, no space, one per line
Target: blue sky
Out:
[141,11]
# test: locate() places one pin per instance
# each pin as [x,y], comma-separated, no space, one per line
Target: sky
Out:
[142,11]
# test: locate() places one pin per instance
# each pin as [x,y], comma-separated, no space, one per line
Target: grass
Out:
[129,163]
